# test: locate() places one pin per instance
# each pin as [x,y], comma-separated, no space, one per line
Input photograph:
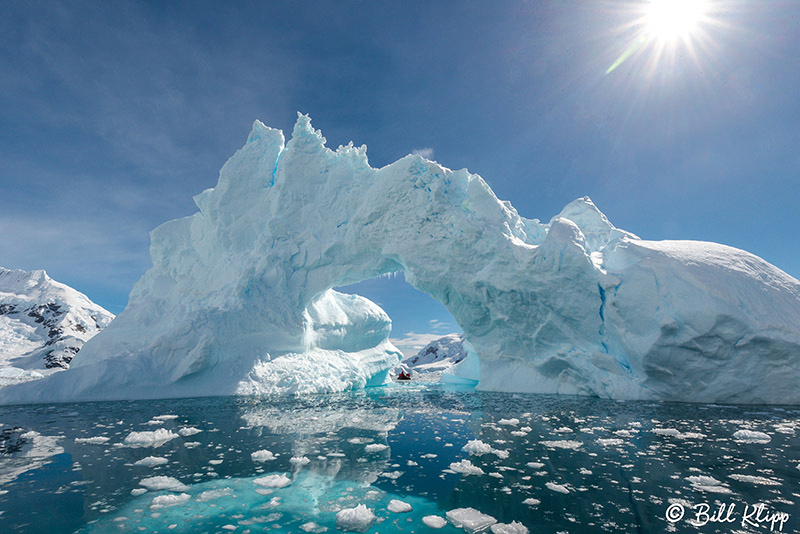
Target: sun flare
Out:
[668,20]
[664,29]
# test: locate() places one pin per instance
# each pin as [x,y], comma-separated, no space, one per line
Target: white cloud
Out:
[439,326]
[426,152]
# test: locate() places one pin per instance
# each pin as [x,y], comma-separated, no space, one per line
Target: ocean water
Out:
[552,464]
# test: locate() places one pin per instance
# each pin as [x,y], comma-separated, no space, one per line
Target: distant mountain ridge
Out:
[43,323]
[438,355]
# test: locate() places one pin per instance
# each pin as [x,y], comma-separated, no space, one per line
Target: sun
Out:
[669,20]
[666,29]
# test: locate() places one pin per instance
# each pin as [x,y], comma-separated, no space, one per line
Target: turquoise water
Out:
[557,464]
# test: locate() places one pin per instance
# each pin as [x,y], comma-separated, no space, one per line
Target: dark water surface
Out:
[556,464]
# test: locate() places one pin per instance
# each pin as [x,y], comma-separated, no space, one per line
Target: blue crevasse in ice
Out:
[239,297]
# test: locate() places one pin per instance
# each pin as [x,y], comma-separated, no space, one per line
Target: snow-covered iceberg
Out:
[239,297]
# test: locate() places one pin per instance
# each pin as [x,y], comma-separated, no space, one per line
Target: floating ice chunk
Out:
[164,501]
[470,519]
[215,462]
[674,432]
[562,444]
[563,430]
[691,435]
[392,475]
[584,471]
[262,456]
[97,440]
[273,481]
[707,484]
[210,495]
[313,527]
[358,519]
[751,436]
[191,444]
[299,461]
[162,483]
[434,521]
[559,488]
[535,465]
[610,442]
[151,461]
[530,501]
[398,507]
[666,431]
[509,422]
[514,527]
[375,447]
[189,431]
[155,438]
[166,417]
[760,481]
[465,467]
[477,447]
[138,491]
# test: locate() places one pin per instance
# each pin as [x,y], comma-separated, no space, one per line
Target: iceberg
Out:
[240,301]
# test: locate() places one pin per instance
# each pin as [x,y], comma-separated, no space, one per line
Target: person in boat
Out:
[405,374]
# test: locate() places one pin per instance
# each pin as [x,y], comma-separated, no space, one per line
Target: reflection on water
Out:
[289,465]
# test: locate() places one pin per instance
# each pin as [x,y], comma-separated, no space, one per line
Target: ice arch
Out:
[238,299]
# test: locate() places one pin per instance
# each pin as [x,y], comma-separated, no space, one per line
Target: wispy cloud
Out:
[440,326]
[426,152]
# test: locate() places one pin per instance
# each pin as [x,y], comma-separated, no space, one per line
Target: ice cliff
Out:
[239,297]
[43,324]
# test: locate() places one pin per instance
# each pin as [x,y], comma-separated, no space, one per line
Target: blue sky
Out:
[113,114]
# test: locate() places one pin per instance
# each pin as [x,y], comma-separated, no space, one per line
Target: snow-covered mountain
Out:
[43,324]
[438,355]
[239,298]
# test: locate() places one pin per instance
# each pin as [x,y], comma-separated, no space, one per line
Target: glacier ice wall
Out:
[239,297]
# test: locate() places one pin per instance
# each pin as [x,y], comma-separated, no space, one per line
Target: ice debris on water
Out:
[558,488]
[398,507]
[470,519]
[358,519]
[155,438]
[151,461]
[161,483]
[751,436]
[465,467]
[434,521]
[164,501]
[262,456]
[96,440]
[514,527]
